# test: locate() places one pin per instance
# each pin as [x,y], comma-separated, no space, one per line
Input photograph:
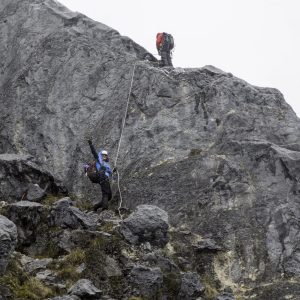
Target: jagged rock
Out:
[84,289]
[21,176]
[207,245]
[8,241]
[147,281]
[191,287]
[27,216]
[147,223]
[35,193]
[32,265]
[65,215]
[164,263]
[70,239]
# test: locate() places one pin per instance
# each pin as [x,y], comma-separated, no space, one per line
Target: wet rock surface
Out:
[220,156]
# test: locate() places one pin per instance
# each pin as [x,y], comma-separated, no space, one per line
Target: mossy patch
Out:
[21,286]
[171,286]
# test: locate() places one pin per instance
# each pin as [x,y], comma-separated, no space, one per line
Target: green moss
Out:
[21,286]
[49,200]
[210,284]
[84,204]
[75,257]
[172,283]
[67,268]
[117,285]
[33,289]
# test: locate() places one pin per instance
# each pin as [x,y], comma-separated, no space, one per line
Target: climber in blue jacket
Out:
[105,172]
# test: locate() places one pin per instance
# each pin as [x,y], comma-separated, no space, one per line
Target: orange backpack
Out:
[159,39]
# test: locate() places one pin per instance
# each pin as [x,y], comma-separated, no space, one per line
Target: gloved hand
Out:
[103,168]
[89,141]
[114,169]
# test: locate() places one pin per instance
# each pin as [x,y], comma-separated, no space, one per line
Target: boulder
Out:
[146,281]
[65,215]
[8,241]
[147,224]
[35,193]
[22,177]
[28,217]
[84,289]
[191,287]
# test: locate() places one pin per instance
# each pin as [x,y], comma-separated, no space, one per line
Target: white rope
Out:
[120,140]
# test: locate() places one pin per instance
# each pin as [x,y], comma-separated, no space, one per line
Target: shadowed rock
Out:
[8,241]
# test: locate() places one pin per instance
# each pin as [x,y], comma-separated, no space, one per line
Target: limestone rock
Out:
[8,241]
[84,289]
[147,224]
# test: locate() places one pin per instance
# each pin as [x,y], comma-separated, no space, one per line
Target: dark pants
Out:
[166,60]
[106,193]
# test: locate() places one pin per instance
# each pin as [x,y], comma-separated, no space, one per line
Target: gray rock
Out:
[37,264]
[8,241]
[147,281]
[35,193]
[147,224]
[191,287]
[70,239]
[65,297]
[84,289]
[65,215]
[27,216]
[22,178]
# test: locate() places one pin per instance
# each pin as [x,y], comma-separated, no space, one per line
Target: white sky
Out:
[256,40]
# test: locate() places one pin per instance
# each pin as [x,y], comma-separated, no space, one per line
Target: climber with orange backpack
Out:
[164,45]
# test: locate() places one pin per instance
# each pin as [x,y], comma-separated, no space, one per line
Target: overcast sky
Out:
[256,40]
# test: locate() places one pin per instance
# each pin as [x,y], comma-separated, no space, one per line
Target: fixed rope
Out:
[120,140]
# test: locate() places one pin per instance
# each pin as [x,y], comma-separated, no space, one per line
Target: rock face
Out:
[147,224]
[220,156]
[8,241]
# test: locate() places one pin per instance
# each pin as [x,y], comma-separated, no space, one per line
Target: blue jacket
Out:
[103,163]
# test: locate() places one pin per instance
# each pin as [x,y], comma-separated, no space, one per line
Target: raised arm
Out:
[93,150]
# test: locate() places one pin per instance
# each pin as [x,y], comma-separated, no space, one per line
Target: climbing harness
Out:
[120,140]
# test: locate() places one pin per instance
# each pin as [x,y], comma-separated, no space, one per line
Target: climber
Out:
[164,45]
[103,174]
